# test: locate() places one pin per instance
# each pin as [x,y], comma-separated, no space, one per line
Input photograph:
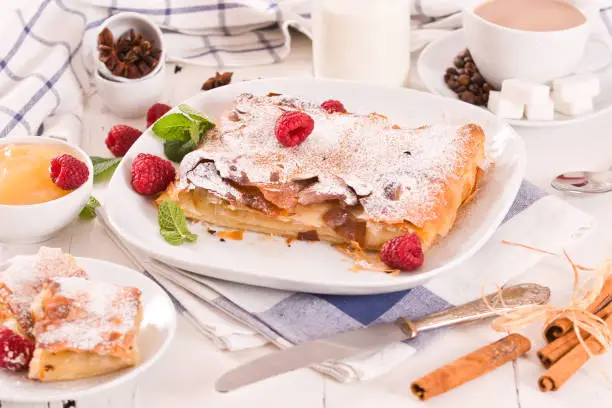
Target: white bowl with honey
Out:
[32,206]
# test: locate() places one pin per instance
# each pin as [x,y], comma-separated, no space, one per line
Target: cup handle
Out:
[605,41]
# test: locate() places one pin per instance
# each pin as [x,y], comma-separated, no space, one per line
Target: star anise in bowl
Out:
[131,56]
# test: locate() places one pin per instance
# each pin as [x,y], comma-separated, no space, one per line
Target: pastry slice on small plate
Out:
[84,328]
[23,277]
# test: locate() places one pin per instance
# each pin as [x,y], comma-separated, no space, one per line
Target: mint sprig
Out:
[174,126]
[89,211]
[103,167]
[192,113]
[175,150]
[173,224]
[182,132]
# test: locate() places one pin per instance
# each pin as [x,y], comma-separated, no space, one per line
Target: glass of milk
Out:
[362,40]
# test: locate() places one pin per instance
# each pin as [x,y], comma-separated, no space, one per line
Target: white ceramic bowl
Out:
[121,23]
[37,222]
[133,98]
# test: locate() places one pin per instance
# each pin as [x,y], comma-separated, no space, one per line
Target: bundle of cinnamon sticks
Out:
[563,356]
[565,353]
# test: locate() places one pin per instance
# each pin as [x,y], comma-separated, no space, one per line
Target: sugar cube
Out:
[525,92]
[577,105]
[573,86]
[540,110]
[503,107]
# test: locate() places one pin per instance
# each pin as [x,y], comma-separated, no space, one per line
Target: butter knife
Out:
[353,342]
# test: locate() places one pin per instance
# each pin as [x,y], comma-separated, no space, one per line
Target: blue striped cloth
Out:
[286,318]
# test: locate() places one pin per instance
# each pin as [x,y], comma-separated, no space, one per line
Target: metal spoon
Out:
[584,182]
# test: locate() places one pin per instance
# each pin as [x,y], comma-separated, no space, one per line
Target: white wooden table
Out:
[185,376]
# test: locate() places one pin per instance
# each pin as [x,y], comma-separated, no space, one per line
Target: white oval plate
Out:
[439,55]
[317,267]
[156,332]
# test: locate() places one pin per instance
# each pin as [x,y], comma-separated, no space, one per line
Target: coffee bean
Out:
[470,67]
[477,78]
[467,97]
[464,80]
[460,88]
[459,63]
[478,100]
[452,71]
[447,77]
[486,87]
[464,53]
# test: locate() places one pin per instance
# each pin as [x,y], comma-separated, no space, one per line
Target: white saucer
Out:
[156,331]
[439,55]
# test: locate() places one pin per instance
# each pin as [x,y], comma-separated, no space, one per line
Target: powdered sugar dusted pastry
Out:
[84,328]
[23,277]
[355,178]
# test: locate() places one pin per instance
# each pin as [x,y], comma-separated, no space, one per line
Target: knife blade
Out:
[353,342]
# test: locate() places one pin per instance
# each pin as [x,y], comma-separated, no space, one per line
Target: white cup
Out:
[121,23]
[539,56]
[131,99]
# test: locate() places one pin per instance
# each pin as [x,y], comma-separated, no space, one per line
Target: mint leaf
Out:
[175,150]
[173,225]
[192,113]
[89,211]
[173,127]
[194,132]
[205,124]
[182,132]
[103,167]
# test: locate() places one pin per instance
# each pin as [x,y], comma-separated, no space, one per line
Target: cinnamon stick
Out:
[562,325]
[567,366]
[471,366]
[552,352]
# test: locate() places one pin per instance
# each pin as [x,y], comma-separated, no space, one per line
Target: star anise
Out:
[217,81]
[131,56]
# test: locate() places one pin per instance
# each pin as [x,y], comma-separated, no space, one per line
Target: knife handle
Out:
[516,296]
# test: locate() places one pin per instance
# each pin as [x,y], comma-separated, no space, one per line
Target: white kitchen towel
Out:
[287,318]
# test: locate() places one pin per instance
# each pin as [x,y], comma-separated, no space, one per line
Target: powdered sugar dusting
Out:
[22,278]
[95,315]
[368,153]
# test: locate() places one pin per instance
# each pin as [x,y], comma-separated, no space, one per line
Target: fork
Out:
[181,309]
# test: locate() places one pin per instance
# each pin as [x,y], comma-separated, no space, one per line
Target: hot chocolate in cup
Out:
[534,40]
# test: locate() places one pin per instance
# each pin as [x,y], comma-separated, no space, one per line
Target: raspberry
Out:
[151,174]
[293,127]
[15,351]
[68,172]
[333,106]
[121,138]
[155,112]
[403,252]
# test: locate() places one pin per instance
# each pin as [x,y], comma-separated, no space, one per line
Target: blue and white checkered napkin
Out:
[260,315]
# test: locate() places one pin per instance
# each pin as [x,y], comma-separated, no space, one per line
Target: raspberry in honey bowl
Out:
[24,173]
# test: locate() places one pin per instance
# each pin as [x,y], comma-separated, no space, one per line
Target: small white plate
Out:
[156,332]
[316,266]
[439,55]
